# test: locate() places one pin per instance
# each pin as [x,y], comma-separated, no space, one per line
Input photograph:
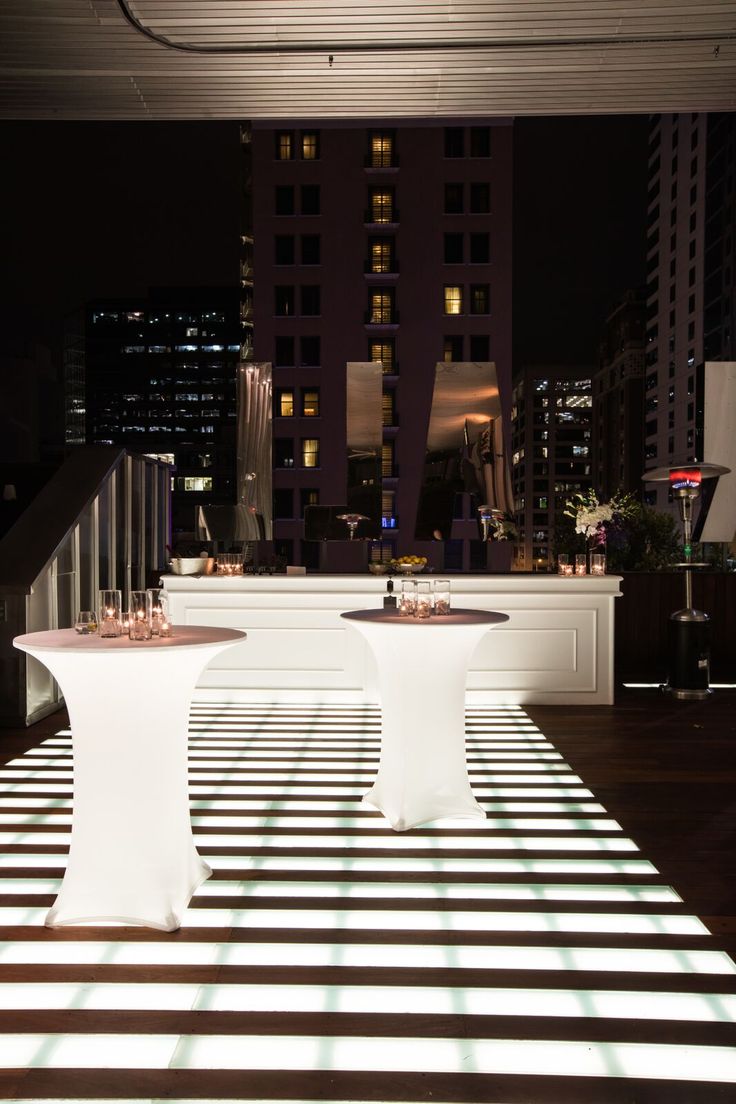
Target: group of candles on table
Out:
[147,615]
[565,565]
[420,599]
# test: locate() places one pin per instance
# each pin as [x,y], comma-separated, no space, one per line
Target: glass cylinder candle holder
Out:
[230,563]
[597,563]
[109,613]
[159,609]
[581,564]
[441,597]
[139,612]
[407,598]
[423,607]
[564,567]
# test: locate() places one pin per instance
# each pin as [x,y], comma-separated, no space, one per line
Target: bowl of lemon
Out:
[409,565]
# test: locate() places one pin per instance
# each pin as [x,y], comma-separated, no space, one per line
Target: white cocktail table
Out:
[132,857]
[422,671]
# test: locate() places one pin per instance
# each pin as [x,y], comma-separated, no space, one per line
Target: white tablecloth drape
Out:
[132,857]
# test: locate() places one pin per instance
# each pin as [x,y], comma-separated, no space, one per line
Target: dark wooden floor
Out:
[664,770]
[667,771]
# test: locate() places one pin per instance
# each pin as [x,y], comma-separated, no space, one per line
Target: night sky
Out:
[98,209]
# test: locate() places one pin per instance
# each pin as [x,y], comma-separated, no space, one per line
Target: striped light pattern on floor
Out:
[537,955]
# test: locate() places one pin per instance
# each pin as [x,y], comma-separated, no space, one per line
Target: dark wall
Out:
[643,612]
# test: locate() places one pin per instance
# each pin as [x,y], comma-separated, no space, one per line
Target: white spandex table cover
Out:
[132,857]
[422,671]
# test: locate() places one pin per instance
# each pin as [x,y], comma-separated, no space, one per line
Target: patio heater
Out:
[688,636]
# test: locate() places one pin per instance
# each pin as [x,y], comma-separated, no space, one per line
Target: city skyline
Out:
[129,206]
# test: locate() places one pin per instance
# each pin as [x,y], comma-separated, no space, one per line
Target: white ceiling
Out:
[269,59]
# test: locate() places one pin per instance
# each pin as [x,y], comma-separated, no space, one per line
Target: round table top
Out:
[456,617]
[69,640]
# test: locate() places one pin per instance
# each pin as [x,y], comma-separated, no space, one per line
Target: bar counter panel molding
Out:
[556,648]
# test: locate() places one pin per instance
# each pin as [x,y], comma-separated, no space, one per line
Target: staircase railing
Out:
[101,522]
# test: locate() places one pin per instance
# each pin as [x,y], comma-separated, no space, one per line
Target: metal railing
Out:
[102,521]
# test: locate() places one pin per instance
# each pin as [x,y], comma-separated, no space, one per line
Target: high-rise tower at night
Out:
[690,266]
[388,243]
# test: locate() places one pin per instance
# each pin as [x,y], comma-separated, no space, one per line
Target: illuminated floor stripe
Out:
[373,999]
[276,790]
[399,956]
[399,1055]
[478,891]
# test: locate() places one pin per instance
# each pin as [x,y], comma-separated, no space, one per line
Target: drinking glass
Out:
[86,622]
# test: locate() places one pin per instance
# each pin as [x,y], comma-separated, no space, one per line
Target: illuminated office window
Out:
[284,146]
[310,145]
[388,407]
[382,150]
[385,352]
[381,258]
[387,458]
[310,452]
[310,403]
[285,403]
[453,299]
[382,307]
[381,205]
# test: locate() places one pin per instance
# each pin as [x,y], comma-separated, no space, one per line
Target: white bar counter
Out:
[555,649]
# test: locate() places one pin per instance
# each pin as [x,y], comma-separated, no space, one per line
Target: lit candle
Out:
[581,566]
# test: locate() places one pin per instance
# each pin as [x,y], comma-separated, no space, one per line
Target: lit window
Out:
[382,205]
[388,408]
[382,150]
[453,299]
[381,310]
[195,483]
[387,458]
[381,255]
[310,145]
[383,351]
[284,146]
[310,403]
[310,452]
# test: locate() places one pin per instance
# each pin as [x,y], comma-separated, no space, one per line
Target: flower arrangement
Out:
[592,516]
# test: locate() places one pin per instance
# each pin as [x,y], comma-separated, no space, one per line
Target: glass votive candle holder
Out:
[423,606]
[597,563]
[230,563]
[109,613]
[407,598]
[139,613]
[159,609]
[564,567]
[441,597]
[581,564]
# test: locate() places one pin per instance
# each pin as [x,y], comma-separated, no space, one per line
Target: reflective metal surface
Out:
[364,432]
[465,449]
[254,473]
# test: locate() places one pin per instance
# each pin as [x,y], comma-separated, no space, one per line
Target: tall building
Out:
[618,400]
[690,272]
[552,422]
[159,376]
[375,242]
